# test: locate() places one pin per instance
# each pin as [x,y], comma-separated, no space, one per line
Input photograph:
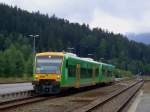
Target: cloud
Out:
[119,24]
[107,21]
[125,8]
[114,15]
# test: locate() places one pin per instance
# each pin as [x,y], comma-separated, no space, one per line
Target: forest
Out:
[56,34]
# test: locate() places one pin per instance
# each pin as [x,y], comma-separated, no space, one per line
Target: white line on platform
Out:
[136,102]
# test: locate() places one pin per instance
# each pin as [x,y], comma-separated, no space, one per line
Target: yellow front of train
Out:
[47,72]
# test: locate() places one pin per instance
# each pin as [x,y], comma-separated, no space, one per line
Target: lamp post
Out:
[91,55]
[34,51]
[70,49]
[34,37]
[101,59]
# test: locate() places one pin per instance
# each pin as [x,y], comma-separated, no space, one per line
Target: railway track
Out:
[113,102]
[33,99]
[107,99]
[15,103]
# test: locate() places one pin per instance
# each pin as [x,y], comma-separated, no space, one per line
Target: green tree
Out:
[58,34]
[102,49]
[29,67]
[13,62]
[19,64]
[1,64]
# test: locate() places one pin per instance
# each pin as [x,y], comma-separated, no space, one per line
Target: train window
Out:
[106,73]
[109,73]
[90,72]
[103,71]
[66,63]
[97,71]
[48,64]
[85,73]
[71,71]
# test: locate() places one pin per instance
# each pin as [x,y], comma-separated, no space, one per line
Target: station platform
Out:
[11,88]
[141,103]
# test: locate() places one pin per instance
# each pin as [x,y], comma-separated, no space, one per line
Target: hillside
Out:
[59,34]
[141,37]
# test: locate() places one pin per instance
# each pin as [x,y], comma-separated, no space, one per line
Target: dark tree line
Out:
[59,34]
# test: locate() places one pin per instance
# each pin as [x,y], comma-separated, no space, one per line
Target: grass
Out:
[146,78]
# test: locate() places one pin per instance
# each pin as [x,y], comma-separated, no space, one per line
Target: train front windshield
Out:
[48,64]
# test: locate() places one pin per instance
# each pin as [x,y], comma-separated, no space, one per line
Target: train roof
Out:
[109,66]
[70,55]
[50,53]
[74,56]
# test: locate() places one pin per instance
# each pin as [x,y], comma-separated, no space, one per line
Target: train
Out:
[57,71]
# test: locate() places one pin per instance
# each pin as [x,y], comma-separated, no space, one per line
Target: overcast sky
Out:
[119,16]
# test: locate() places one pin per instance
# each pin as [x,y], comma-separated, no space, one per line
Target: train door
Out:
[93,76]
[100,73]
[77,76]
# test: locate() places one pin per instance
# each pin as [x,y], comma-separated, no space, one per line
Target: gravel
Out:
[70,102]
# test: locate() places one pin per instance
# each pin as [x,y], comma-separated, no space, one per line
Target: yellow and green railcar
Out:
[55,71]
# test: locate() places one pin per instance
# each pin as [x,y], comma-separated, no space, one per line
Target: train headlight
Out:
[36,76]
[58,76]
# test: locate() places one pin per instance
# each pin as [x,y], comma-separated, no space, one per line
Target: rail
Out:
[113,102]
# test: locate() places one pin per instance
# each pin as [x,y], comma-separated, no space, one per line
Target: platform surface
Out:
[10,88]
[141,103]
[144,104]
